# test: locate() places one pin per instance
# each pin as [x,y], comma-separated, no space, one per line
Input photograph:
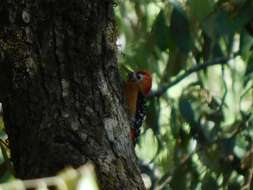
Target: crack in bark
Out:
[58,62]
[41,70]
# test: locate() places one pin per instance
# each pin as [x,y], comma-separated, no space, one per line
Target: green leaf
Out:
[217,51]
[219,24]
[222,23]
[1,124]
[234,186]
[173,122]
[161,32]
[179,180]
[246,42]
[228,145]
[249,71]
[201,8]
[177,61]
[209,183]
[7,161]
[147,147]
[180,29]
[249,68]
[186,110]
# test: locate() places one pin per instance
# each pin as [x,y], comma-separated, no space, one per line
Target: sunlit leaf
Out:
[147,147]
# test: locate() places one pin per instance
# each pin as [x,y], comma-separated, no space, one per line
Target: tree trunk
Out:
[61,91]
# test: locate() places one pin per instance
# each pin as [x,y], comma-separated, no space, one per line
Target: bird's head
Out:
[143,80]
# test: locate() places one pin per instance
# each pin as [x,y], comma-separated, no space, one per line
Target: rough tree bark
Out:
[61,92]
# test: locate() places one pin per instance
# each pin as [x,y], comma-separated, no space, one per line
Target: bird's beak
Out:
[132,77]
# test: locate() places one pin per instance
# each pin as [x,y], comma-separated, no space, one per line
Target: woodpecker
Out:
[136,89]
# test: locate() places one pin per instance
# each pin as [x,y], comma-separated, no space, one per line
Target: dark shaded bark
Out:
[61,92]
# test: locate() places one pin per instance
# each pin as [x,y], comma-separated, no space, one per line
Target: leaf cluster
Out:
[198,132]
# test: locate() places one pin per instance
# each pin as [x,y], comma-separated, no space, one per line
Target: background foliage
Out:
[198,132]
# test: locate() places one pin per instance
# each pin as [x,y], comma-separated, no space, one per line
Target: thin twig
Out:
[196,68]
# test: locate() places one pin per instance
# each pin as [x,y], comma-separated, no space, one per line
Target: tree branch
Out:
[196,68]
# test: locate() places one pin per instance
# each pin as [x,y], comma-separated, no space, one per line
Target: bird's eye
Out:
[139,76]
